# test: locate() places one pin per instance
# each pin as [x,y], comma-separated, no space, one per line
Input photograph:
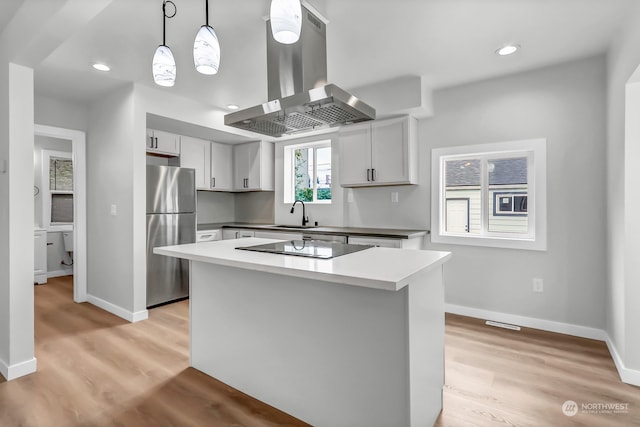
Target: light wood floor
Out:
[95,369]
[498,377]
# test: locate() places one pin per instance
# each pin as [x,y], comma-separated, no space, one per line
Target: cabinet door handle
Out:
[246,183]
[156,138]
[373,174]
[368,174]
[213,182]
[151,142]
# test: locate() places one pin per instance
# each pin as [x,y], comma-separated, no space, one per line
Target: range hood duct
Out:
[299,97]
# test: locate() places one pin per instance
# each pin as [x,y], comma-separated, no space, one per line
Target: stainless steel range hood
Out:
[300,98]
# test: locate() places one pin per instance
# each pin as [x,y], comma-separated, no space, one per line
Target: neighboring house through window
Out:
[490,195]
[307,169]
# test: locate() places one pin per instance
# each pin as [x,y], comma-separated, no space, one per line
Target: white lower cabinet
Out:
[208,235]
[236,233]
[278,235]
[40,256]
[383,242]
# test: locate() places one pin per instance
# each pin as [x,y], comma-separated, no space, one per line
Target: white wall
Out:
[16,227]
[254,207]
[61,113]
[214,206]
[566,104]
[623,316]
[110,180]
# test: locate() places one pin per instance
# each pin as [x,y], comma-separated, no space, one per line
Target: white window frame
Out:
[289,172]
[535,150]
[46,193]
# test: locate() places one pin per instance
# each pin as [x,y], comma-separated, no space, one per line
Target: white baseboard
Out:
[117,310]
[60,273]
[529,322]
[19,369]
[629,376]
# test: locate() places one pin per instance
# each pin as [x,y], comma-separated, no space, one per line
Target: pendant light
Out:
[286,20]
[206,48]
[164,65]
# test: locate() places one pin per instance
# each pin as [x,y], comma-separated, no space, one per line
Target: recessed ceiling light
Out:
[232,107]
[101,67]
[508,50]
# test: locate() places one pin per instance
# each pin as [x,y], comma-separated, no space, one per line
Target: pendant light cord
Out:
[164,18]
[206,11]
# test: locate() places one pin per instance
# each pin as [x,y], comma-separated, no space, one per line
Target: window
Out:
[308,172]
[490,195]
[58,194]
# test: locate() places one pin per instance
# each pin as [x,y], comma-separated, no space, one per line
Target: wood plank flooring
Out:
[498,377]
[95,369]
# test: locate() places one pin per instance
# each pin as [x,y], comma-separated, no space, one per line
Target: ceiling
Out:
[448,42]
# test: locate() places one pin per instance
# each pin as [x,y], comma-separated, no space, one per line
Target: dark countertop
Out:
[391,233]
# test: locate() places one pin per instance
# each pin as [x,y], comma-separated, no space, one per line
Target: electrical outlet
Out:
[538,285]
[114,210]
[394,197]
[350,196]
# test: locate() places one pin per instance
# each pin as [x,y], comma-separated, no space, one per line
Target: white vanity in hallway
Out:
[354,340]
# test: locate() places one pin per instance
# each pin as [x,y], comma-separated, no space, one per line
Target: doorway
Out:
[76,203]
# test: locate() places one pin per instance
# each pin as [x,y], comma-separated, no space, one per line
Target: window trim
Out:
[535,151]
[46,191]
[289,178]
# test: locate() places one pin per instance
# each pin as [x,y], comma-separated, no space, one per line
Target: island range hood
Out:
[299,97]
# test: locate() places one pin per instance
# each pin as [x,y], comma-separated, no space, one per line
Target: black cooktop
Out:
[307,248]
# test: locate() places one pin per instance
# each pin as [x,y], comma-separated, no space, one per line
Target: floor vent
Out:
[502,325]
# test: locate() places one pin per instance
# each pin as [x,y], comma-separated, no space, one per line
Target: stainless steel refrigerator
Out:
[171,220]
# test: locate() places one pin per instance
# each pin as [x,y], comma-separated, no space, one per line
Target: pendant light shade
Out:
[286,20]
[206,51]
[164,67]
[163,64]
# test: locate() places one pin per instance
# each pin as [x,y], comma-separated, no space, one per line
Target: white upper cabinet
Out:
[163,143]
[213,162]
[196,153]
[253,166]
[379,153]
[221,167]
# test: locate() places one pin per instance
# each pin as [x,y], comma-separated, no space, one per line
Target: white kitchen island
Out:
[356,340]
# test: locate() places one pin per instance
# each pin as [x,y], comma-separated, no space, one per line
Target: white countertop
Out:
[379,268]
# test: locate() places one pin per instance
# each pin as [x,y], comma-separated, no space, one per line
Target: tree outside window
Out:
[312,172]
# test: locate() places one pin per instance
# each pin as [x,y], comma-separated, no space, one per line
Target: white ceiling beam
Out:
[403,95]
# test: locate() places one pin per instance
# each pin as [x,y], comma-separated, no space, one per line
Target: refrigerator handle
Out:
[213,182]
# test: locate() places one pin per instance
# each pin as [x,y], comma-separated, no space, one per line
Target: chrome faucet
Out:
[305,218]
